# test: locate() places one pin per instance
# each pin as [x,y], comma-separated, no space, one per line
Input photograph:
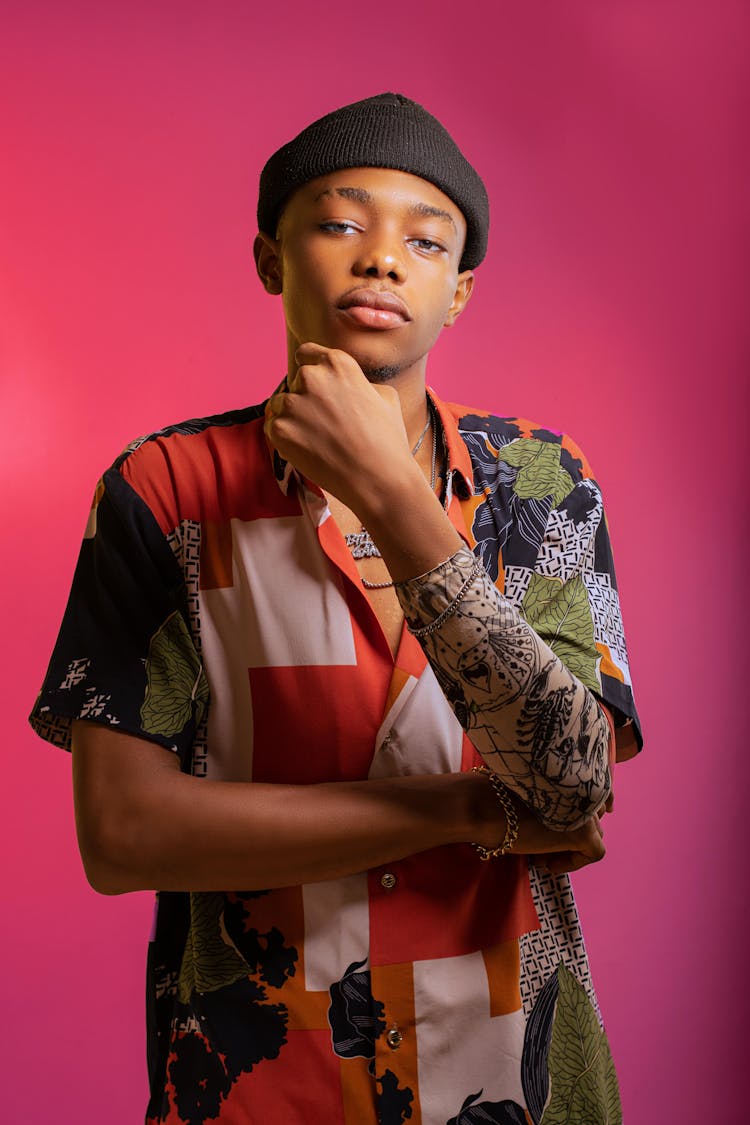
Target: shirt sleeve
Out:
[571,599]
[124,655]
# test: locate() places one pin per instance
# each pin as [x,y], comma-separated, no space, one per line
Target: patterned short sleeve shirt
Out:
[217,612]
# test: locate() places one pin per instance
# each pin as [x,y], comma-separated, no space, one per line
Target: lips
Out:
[375,308]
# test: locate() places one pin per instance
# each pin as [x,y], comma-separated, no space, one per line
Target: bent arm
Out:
[547,736]
[537,726]
[144,825]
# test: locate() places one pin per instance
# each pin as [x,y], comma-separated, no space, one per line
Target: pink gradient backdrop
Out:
[613,304]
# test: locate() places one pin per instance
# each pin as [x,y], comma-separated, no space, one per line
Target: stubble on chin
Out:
[380,374]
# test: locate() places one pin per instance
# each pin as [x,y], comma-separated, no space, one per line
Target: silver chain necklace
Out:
[360,542]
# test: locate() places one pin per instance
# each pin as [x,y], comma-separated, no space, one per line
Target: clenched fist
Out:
[339,430]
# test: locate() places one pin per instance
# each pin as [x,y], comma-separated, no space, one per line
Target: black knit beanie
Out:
[387,131]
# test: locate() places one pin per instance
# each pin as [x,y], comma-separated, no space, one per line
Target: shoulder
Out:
[188,437]
[192,469]
[518,443]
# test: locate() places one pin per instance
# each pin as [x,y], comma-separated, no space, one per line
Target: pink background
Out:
[613,305]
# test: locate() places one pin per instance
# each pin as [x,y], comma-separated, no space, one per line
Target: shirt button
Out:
[388,881]
[394,1038]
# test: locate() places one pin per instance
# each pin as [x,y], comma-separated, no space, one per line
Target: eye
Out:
[428,245]
[340,226]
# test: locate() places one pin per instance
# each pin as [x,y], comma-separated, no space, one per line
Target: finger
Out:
[562,863]
[559,863]
[310,352]
[277,405]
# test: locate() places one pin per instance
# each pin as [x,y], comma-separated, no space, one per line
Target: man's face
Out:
[366,260]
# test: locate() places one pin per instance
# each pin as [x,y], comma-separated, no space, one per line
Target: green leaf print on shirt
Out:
[175,680]
[560,613]
[582,1074]
[539,471]
[210,960]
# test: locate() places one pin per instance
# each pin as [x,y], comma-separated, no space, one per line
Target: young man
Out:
[293,632]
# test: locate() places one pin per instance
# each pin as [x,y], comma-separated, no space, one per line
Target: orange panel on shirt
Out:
[283,909]
[358,1092]
[503,965]
[216,555]
[607,666]
[393,985]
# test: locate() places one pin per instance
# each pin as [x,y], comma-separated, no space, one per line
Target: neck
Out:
[410,386]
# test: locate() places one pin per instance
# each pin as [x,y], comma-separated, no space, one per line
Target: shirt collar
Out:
[460,474]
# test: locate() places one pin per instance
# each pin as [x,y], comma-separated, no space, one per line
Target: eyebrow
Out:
[426,210]
[360,195]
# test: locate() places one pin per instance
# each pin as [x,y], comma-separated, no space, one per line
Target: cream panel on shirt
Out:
[420,733]
[285,608]
[331,948]
[462,1049]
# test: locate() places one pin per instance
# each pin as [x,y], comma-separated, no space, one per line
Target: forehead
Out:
[379,189]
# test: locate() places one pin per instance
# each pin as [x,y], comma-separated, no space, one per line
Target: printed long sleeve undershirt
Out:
[533,722]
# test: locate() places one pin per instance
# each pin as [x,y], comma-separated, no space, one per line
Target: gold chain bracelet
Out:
[511,817]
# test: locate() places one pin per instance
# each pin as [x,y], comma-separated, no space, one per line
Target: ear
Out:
[464,289]
[268,262]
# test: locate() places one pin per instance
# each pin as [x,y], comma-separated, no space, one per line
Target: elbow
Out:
[587,804]
[591,775]
[101,877]
[109,852]
[576,798]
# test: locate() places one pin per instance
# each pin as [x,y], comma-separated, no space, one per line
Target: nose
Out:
[381,257]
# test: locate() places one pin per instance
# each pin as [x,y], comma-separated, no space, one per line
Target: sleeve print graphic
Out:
[583,1083]
[561,615]
[75,674]
[176,683]
[509,521]
[539,471]
[356,1019]
[394,1105]
[476,1112]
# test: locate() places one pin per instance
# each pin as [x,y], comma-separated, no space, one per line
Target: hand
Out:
[557,851]
[340,431]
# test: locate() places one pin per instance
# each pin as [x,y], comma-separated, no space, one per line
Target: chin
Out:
[380,374]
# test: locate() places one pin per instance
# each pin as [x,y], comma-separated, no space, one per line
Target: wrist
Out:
[409,526]
[482,819]
[376,498]
[509,815]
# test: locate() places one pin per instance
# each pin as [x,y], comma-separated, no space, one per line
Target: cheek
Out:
[443,295]
[297,290]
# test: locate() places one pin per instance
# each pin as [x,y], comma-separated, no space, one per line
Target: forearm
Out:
[537,726]
[145,825]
